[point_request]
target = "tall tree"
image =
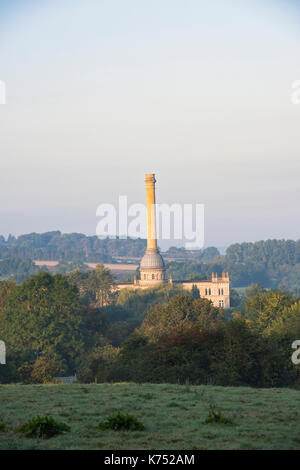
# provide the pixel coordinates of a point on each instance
(43, 316)
(182, 311)
(97, 287)
(265, 310)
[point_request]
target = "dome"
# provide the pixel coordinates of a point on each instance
(152, 260)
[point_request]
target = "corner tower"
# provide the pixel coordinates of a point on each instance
(152, 266)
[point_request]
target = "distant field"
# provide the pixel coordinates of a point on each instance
(116, 267)
(49, 264)
(112, 267)
(173, 415)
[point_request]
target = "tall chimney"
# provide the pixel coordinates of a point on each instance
(151, 222)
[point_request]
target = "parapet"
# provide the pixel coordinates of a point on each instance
(223, 278)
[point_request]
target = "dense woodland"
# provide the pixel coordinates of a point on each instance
(55, 246)
(55, 325)
(76, 321)
(271, 263)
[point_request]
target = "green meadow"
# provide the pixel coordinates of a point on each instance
(174, 416)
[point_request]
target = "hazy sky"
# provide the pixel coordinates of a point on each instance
(100, 92)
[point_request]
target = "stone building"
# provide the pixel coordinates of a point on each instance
(152, 266)
(217, 289)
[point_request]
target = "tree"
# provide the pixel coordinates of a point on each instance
(6, 288)
(43, 316)
(95, 326)
(96, 365)
(235, 360)
(101, 286)
(181, 311)
(195, 292)
(265, 310)
(17, 268)
(97, 286)
(118, 332)
(42, 371)
(289, 320)
(236, 300)
(64, 267)
(132, 304)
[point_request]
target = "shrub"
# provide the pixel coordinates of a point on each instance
(173, 404)
(215, 415)
(43, 427)
(44, 369)
(24, 373)
(119, 422)
(147, 396)
(2, 427)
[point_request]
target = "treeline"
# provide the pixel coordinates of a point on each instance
(17, 269)
(56, 246)
(56, 325)
(50, 323)
(181, 254)
(271, 263)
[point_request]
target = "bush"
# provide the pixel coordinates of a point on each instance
(43, 427)
(2, 427)
(41, 371)
(119, 422)
(215, 415)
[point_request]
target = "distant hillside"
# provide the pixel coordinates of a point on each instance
(271, 263)
(56, 246)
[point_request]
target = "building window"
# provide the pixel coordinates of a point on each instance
(219, 291)
(221, 303)
(222, 291)
(145, 277)
(153, 276)
(205, 291)
(209, 291)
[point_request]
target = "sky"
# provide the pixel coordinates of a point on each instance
(100, 92)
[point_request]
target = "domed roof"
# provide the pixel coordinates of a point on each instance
(152, 260)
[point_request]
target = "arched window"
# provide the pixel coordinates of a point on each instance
(209, 291)
(153, 277)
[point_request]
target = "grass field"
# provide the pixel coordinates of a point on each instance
(174, 416)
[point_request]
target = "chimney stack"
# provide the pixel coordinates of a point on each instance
(151, 216)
